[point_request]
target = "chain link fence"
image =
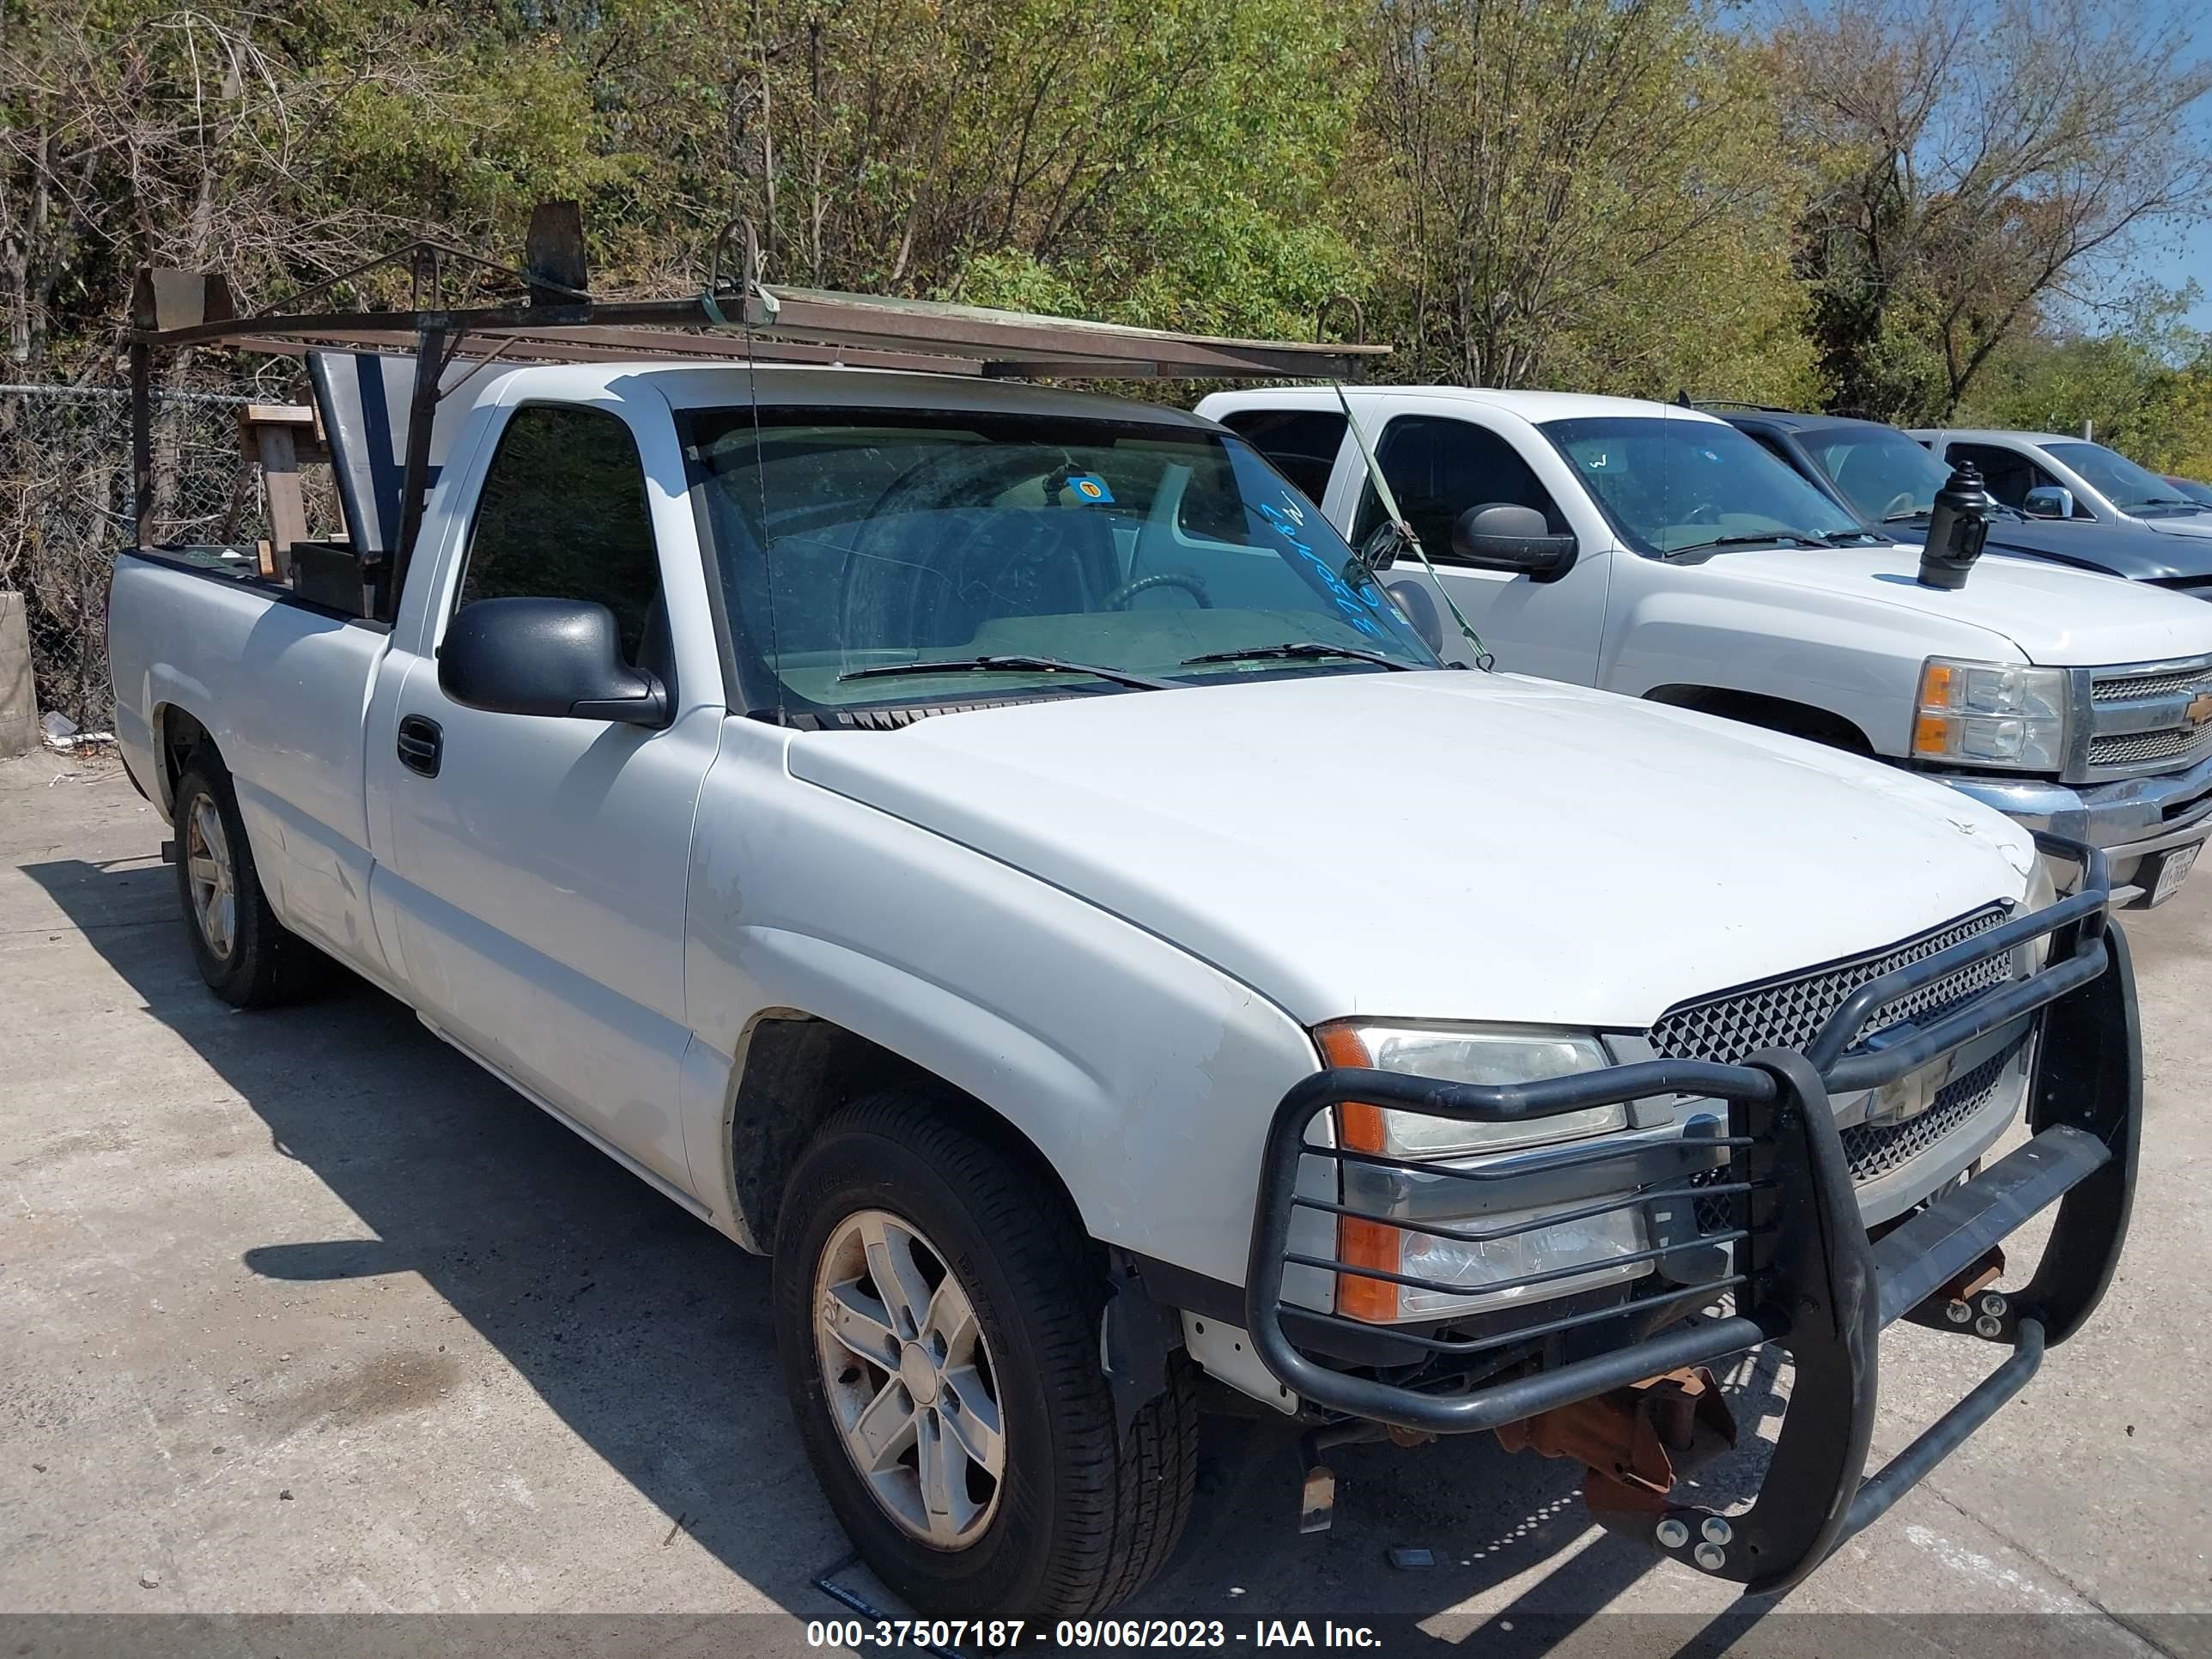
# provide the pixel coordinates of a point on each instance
(65, 507)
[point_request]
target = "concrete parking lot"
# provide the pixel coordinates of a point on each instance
(304, 1315)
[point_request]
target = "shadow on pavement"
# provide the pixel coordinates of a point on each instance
(649, 1334)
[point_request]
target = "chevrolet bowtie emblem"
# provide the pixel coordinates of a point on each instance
(2199, 709)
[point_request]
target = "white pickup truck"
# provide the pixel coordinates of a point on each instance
(1657, 551)
(997, 850)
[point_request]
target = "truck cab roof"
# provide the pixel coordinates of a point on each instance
(1535, 407)
(697, 386)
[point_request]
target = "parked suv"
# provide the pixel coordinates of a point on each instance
(1889, 479)
(2046, 475)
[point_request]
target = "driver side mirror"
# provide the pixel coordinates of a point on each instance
(548, 656)
(1501, 536)
(2048, 502)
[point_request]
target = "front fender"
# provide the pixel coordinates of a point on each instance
(1144, 1076)
(1856, 660)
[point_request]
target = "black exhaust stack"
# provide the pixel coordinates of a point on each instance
(1956, 530)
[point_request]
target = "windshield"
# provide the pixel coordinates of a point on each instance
(851, 540)
(1886, 477)
(2128, 487)
(1671, 486)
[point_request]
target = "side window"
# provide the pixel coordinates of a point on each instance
(1438, 467)
(2007, 476)
(563, 516)
(1301, 444)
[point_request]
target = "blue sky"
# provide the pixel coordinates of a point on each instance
(2192, 258)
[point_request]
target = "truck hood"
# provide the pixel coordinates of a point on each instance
(1445, 845)
(2062, 618)
(2190, 527)
(2131, 548)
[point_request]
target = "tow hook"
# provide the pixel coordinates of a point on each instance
(1634, 1443)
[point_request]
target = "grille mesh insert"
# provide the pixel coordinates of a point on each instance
(2131, 748)
(1788, 1012)
(1876, 1150)
(2140, 687)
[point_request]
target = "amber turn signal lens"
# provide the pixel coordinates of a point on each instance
(1360, 1243)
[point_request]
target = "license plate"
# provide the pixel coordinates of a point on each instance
(2173, 870)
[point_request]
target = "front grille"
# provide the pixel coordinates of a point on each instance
(1714, 1215)
(1788, 1012)
(1875, 1149)
(2117, 697)
(2137, 687)
(2133, 748)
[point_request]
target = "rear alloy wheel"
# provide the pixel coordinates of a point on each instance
(245, 955)
(909, 1379)
(210, 879)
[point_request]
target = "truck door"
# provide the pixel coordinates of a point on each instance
(1440, 465)
(540, 861)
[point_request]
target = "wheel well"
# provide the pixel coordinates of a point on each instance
(180, 736)
(796, 1071)
(1796, 720)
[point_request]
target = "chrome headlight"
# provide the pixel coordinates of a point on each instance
(1468, 1272)
(1996, 714)
(1487, 1054)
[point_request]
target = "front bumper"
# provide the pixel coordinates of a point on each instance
(1798, 1267)
(2131, 820)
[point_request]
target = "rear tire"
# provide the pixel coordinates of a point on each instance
(1078, 1515)
(247, 956)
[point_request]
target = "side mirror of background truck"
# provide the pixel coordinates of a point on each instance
(1502, 537)
(550, 657)
(2048, 502)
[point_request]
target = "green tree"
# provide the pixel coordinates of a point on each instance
(1165, 162)
(1968, 165)
(1585, 191)
(2144, 386)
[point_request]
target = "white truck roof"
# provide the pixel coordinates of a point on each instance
(696, 386)
(1536, 407)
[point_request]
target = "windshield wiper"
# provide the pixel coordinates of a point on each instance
(1296, 648)
(1764, 538)
(1012, 665)
(1920, 515)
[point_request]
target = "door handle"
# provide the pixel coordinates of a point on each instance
(421, 745)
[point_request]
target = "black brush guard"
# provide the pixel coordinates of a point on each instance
(1800, 1269)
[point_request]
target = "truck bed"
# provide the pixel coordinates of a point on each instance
(281, 685)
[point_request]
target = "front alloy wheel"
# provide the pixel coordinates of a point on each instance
(938, 1310)
(911, 1383)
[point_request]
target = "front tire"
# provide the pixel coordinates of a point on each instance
(937, 1314)
(246, 956)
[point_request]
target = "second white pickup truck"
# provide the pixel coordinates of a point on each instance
(956, 835)
(1657, 551)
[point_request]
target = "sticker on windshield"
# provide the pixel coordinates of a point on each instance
(1091, 487)
(1349, 605)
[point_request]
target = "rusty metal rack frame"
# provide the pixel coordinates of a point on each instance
(1795, 1266)
(736, 319)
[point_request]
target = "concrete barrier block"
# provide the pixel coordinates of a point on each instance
(19, 702)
